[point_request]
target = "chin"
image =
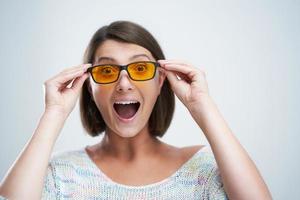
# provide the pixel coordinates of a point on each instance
(127, 133)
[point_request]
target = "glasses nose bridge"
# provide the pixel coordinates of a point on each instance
(123, 67)
(123, 81)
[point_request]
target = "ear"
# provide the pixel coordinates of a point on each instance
(90, 89)
(161, 78)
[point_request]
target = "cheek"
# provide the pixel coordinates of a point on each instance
(149, 88)
(101, 96)
(149, 91)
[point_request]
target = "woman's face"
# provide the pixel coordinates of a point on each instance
(125, 105)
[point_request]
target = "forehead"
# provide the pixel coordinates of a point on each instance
(121, 52)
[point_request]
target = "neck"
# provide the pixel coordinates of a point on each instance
(130, 149)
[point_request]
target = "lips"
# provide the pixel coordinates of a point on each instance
(126, 109)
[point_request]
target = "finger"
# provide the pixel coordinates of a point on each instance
(77, 67)
(184, 77)
(179, 68)
(63, 79)
(71, 83)
(71, 71)
(175, 61)
(162, 70)
(64, 85)
(187, 74)
(171, 60)
(69, 76)
(78, 82)
(180, 62)
(172, 78)
(83, 67)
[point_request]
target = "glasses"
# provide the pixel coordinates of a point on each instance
(137, 71)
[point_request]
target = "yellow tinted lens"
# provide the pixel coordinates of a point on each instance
(141, 71)
(105, 73)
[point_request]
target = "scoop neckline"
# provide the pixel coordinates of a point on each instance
(158, 183)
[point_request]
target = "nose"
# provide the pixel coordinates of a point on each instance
(124, 83)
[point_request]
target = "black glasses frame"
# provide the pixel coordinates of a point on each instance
(124, 67)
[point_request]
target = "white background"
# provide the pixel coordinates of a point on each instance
(250, 51)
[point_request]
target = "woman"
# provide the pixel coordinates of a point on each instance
(127, 92)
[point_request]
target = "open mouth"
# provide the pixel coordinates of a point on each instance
(126, 109)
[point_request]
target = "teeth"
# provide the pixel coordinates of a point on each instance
(125, 102)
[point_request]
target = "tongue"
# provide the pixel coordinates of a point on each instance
(125, 111)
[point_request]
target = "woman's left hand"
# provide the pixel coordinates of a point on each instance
(188, 82)
(191, 88)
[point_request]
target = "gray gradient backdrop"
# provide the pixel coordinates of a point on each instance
(249, 50)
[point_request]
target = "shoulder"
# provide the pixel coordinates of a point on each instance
(71, 166)
(68, 159)
(194, 152)
(67, 155)
(202, 152)
(189, 150)
(204, 169)
(68, 172)
(201, 159)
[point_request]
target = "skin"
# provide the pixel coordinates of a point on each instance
(190, 86)
(25, 178)
(122, 134)
(126, 141)
(242, 180)
(132, 146)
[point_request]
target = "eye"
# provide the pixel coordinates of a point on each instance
(106, 70)
(140, 68)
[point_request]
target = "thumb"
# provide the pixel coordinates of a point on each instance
(78, 82)
(173, 80)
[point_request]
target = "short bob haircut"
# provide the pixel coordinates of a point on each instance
(129, 32)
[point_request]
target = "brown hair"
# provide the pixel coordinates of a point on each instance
(129, 32)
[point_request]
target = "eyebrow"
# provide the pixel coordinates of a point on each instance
(99, 59)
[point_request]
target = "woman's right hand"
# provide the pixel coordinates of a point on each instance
(25, 179)
(59, 98)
